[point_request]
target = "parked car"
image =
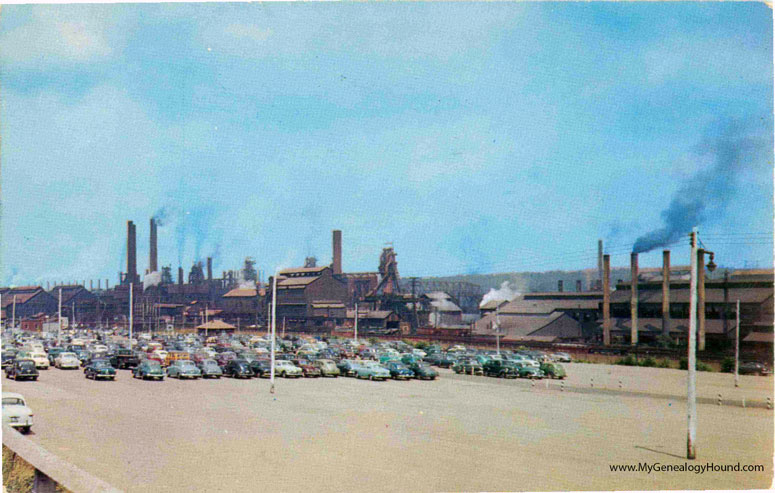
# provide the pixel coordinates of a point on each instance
(237, 368)
(173, 356)
(8, 358)
(562, 357)
(124, 358)
(40, 359)
(753, 368)
(183, 368)
(553, 370)
(423, 371)
(528, 371)
(499, 368)
(224, 357)
(67, 361)
(371, 370)
(52, 353)
(347, 367)
(399, 371)
(261, 368)
(327, 368)
(16, 414)
(287, 369)
(22, 369)
(210, 369)
(100, 368)
(148, 369)
(468, 366)
(307, 368)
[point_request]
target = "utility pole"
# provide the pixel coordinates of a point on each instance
(498, 328)
(414, 305)
(691, 439)
(59, 332)
(13, 313)
(356, 323)
(737, 344)
(131, 313)
(274, 329)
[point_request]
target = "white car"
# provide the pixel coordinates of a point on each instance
(40, 359)
(67, 360)
(286, 369)
(16, 414)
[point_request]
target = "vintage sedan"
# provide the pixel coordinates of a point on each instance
(8, 358)
(100, 368)
(328, 368)
(753, 368)
(468, 366)
(553, 370)
(67, 361)
(210, 369)
(16, 414)
(183, 368)
(148, 369)
(22, 369)
(399, 371)
(528, 371)
(261, 368)
(40, 359)
(238, 368)
(52, 353)
(287, 369)
(307, 368)
(347, 367)
(423, 371)
(371, 370)
(501, 369)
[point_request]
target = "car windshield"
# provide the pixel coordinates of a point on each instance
(101, 363)
(12, 401)
(187, 364)
(153, 364)
(26, 365)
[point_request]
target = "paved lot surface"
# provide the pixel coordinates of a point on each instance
(458, 433)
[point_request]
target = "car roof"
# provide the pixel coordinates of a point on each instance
(13, 394)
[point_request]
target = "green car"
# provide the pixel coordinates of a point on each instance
(100, 368)
(501, 369)
(526, 371)
(553, 370)
(422, 371)
(148, 369)
(468, 367)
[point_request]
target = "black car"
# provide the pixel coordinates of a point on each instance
(238, 368)
(261, 368)
(500, 368)
(53, 352)
(100, 368)
(8, 358)
(22, 369)
(124, 358)
(753, 368)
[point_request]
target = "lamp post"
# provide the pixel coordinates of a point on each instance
(274, 330)
(737, 344)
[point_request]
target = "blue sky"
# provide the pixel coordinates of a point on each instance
(476, 137)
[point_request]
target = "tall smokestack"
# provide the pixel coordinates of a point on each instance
(666, 293)
(578, 285)
(209, 268)
(559, 286)
(607, 300)
(180, 275)
(337, 265)
(634, 299)
(600, 260)
(700, 300)
(131, 252)
(99, 284)
(153, 260)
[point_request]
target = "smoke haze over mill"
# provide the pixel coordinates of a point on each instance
(475, 137)
(725, 154)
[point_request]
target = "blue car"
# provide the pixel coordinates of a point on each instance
(399, 371)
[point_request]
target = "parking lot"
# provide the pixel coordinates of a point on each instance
(455, 433)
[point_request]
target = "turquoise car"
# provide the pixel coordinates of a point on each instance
(148, 369)
(553, 370)
(183, 368)
(371, 372)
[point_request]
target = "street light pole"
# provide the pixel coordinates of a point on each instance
(498, 328)
(737, 344)
(691, 442)
(356, 323)
(59, 319)
(131, 313)
(274, 330)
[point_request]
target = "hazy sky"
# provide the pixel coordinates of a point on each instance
(476, 137)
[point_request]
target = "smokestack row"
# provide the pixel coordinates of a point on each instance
(666, 293)
(634, 299)
(131, 253)
(337, 264)
(153, 260)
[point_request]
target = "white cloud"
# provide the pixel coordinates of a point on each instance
(57, 36)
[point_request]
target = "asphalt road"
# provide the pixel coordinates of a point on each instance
(452, 434)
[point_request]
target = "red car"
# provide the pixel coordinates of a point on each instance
(308, 369)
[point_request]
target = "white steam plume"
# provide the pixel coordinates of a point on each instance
(505, 293)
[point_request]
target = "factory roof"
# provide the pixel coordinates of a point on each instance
(22, 295)
(370, 314)
(713, 294)
(520, 305)
(328, 304)
(767, 337)
(712, 326)
(295, 282)
(303, 270)
(443, 302)
(241, 293)
(216, 325)
(492, 304)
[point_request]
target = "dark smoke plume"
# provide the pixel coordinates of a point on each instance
(730, 150)
(161, 216)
